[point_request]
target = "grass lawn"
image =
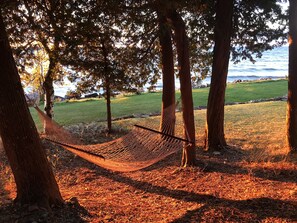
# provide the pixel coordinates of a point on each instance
(258, 128)
(84, 111)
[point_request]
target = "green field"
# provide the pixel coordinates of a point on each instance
(84, 111)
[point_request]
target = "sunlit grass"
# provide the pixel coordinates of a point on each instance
(259, 127)
(67, 113)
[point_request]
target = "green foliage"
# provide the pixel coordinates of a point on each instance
(75, 32)
(258, 26)
(34, 28)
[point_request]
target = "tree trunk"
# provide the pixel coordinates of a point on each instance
(214, 130)
(49, 90)
(182, 45)
(292, 80)
(34, 178)
(108, 107)
(107, 85)
(168, 94)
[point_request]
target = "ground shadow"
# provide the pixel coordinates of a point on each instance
(252, 210)
(282, 175)
(71, 211)
(4, 177)
(260, 208)
(229, 161)
(205, 161)
(234, 210)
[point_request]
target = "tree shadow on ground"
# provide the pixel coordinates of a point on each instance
(220, 208)
(259, 208)
(207, 162)
(4, 177)
(281, 175)
(251, 210)
(71, 211)
(230, 162)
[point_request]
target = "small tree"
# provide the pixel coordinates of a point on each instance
(101, 52)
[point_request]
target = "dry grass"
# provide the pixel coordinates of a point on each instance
(250, 182)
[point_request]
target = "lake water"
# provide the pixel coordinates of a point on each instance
(273, 64)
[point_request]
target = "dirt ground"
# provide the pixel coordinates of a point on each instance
(223, 187)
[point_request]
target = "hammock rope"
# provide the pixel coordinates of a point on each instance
(138, 149)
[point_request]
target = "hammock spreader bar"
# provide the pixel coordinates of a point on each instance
(75, 148)
(164, 134)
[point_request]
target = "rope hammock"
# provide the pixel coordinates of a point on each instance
(138, 149)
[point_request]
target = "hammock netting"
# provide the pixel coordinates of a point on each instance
(136, 150)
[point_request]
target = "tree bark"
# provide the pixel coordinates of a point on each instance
(108, 107)
(214, 130)
(48, 88)
(107, 86)
(292, 80)
(33, 175)
(168, 95)
(182, 45)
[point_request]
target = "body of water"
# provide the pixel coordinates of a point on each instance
(273, 64)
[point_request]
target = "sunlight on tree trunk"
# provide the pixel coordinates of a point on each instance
(168, 94)
(214, 130)
(182, 45)
(33, 175)
(49, 91)
(292, 80)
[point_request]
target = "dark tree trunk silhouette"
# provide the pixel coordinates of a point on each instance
(49, 90)
(214, 132)
(292, 80)
(182, 45)
(107, 86)
(33, 175)
(168, 94)
(108, 107)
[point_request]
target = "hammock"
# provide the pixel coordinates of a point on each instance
(138, 149)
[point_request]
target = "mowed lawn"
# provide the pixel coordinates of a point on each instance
(84, 111)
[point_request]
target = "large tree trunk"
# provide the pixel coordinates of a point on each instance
(49, 90)
(214, 130)
(34, 178)
(292, 80)
(182, 45)
(168, 94)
